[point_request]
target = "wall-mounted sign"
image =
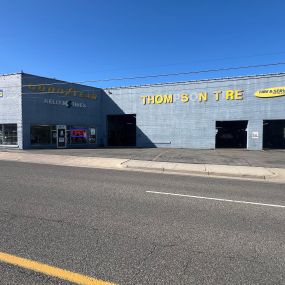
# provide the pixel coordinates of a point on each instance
(228, 95)
(270, 92)
(62, 91)
(255, 135)
(1, 93)
(65, 103)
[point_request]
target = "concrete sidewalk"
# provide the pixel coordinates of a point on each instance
(241, 157)
(233, 171)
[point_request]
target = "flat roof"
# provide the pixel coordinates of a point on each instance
(50, 78)
(197, 81)
(8, 74)
(243, 77)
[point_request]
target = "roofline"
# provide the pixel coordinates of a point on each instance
(14, 73)
(51, 78)
(61, 81)
(198, 81)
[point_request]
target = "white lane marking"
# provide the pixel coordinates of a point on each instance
(217, 199)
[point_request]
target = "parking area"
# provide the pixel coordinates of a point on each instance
(268, 158)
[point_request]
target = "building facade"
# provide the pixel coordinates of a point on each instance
(244, 112)
(241, 112)
(35, 111)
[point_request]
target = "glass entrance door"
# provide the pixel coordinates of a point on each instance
(61, 136)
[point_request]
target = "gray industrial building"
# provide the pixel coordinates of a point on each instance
(240, 112)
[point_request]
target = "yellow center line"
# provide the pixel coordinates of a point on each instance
(51, 270)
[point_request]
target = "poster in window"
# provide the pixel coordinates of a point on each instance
(92, 135)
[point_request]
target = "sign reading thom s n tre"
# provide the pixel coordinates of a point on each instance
(228, 95)
(232, 95)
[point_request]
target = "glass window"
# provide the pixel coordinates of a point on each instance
(75, 135)
(8, 134)
(43, 134)
(53, 136)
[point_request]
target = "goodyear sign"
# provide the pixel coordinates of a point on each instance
(270, 92)
(62, 91)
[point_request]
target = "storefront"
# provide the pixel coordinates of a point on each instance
(63, 135)
(39, 112)
(241, 112)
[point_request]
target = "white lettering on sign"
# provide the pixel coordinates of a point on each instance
(66, 103)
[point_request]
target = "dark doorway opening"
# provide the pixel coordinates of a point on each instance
(274, 134)
(121, 130)
(231, 134)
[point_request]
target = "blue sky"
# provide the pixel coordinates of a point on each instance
(79, 40)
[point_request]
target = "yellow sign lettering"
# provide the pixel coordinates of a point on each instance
(239, 95)
(61, 91)
(93, 96)
(150, 99)
(217, 95)
(184, 98)
(42, 88)
(230, 95)
(32, 87)
(270, 92)
(168, 98)
(203, 96)
(159, 99)
(144, 99)
(51, 90)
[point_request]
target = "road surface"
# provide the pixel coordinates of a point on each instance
(140, 228)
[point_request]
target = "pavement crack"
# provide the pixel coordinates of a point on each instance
(186, 266)
(15, 216)
(59, 221)
(143, 261)
(77, 225)
(159, 155)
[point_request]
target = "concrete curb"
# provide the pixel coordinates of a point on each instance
(210, 170)
(63, 160)
(203, 169)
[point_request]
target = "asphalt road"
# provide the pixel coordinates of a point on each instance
(104, 224)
